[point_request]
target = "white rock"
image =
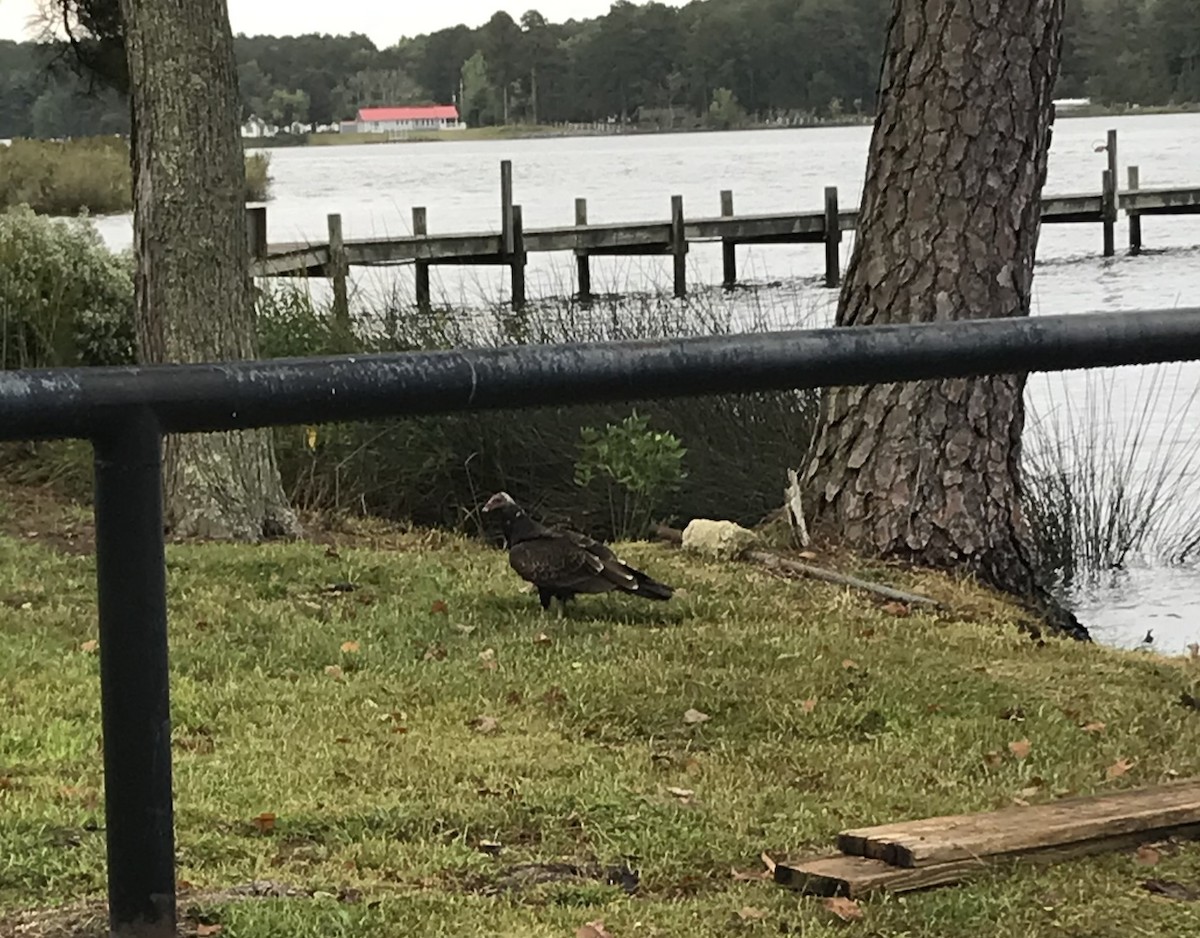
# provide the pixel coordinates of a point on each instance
(723, 540)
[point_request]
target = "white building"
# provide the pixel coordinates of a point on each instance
(382, 120)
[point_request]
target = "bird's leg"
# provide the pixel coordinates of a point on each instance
(544, 597)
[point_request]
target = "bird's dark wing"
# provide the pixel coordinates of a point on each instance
(597, 561)
(555, 563)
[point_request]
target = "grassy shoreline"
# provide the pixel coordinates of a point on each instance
(355, 719)
(88, 175)
(537, 132)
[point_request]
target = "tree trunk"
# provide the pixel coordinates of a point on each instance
(948, 228)
(193, 288)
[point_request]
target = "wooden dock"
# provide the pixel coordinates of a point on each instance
(512, 245)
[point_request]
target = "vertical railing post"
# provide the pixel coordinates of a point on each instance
(679, 246)
(134, 690)
(517, 259)
(583, 266)
(728, 245)
(506, 208)
(833, 238)
(339, 272)
(420, 226)
(1135, 218)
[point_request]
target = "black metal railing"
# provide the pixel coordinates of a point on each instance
(124, 412)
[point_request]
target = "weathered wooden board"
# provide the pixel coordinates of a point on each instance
(852, 876)
(1021, 829)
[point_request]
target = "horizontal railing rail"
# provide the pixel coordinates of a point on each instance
(83, 402)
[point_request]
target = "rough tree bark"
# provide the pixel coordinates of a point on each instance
(193, 288)
(930, 471)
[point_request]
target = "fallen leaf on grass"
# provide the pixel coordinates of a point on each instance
(1146, 856)
(265, 822)
(896, 609)
(207, 931)
(808, 705)
(681, 793)
(485, 724)
(594, 929)
(334, 671)
(692, 715)
(349, 647)
(1020, 748)
(439, 607)
(1172, 890)
(542, 639)
(849, 664)
(490, 847)
(89, 646)
(749, 875)
(993, 759)
(1096, 727)
(748, 913)
(435, 652)
(846, 909)
(1119, 768)
(487, 659)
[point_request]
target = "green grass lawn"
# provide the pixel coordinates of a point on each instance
(425, 738)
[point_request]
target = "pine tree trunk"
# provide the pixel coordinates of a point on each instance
(193, 288)
(948, 228)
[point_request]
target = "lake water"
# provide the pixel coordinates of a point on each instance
(633, 178)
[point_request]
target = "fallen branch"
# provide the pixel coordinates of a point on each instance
(775, 562)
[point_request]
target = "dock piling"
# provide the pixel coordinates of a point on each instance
(728, 245)
(1109, 191)
(420, 226)
(507, 244)
(256, 232)
(517, 259)
(583, 265)
(833, 238)
(339, 271)
(679, 246)
(1135, 218)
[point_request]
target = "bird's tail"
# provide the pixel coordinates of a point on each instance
(649, 587)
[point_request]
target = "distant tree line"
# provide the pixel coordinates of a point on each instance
(717, 62)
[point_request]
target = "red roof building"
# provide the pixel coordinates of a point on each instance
(390, 119)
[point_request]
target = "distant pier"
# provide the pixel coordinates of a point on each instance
(513, 244)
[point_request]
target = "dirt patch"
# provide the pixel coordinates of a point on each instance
(44, 516)
(89, 919)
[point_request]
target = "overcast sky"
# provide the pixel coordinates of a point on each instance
(384, 22)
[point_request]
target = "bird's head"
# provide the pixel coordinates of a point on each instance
(499, 501)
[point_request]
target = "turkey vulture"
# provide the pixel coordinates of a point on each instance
(561, 563)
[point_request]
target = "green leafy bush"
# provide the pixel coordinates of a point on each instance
(636, 467)
(65, 298)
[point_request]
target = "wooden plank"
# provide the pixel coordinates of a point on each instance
(1018, 829)
(840, 875)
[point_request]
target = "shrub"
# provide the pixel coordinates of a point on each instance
(65, 298)
(636, 468)
(89, 174)
(1102, 487)
(436, 471)
(258, 176)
